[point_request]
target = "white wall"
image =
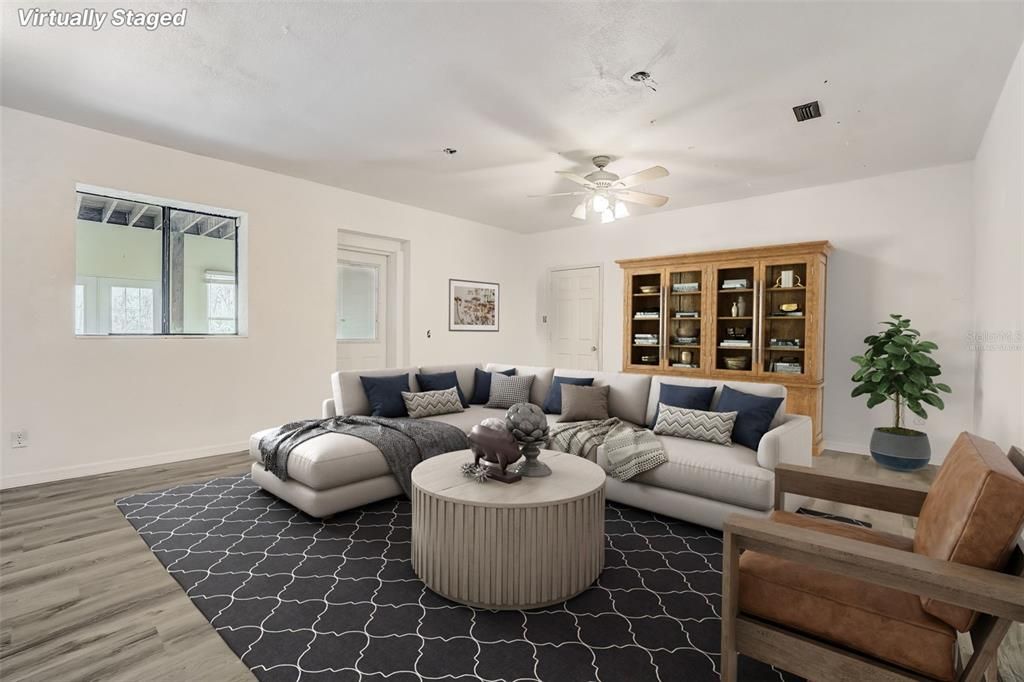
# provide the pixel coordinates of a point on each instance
(999, 268)
(94, 405)
(902, 245)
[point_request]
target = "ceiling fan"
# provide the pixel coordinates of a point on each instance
(607, 194)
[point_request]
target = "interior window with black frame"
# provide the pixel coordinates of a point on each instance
(151, 269)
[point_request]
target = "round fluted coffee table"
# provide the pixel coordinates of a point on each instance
(496, 545)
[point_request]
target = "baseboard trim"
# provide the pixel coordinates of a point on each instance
(113, 465)
(856, 448)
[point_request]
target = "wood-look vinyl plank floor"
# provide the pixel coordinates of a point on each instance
(83, 598)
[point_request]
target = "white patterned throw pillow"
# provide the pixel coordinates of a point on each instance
(713, 427)
(507, 391)
(431, 403)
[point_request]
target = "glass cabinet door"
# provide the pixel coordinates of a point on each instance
(783, 318)
(735, 323)
(684, 311)
(644, 304)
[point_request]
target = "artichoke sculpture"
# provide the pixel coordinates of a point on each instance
(529, 426)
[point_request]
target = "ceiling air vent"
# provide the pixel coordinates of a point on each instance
(807, 111)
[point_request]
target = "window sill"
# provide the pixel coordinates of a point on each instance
(161, 336)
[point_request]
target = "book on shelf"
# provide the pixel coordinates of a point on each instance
(734, 344)
(686, 340)
(787, 367)
(735, 284)
(686, 286)
(686, 313)
(688, 365)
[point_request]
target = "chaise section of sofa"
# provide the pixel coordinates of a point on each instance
(701, 482)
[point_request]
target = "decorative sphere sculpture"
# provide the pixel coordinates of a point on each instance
(529, 426)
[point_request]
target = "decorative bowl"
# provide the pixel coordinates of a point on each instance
(739, 362)
(648, 290)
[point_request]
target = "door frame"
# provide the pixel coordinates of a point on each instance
(395, 309)
(600, 307)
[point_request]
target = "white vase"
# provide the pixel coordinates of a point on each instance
(741, 305)
(735, 310)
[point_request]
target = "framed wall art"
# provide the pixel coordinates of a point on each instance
(472, 306)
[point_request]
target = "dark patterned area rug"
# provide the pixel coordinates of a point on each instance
(298, 598)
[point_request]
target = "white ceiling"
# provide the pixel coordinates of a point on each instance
(365, 95)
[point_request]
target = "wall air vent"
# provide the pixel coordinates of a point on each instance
(807, 111)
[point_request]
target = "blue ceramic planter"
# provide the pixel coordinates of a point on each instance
(904, 451)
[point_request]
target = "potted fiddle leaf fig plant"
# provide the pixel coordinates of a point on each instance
(897, 367)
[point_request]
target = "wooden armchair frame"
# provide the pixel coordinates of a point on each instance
(998, 596)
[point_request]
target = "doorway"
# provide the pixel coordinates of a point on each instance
(574, 336)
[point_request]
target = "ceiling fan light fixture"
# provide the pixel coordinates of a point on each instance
(580, 213)
(599, 203)
(620, 210)
(607, 216)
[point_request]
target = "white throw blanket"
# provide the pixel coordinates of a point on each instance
(629, 450)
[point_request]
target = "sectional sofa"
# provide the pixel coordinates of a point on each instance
(701, 482)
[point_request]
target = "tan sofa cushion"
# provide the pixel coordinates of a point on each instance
(541, 383)
(878, 621)
(717, 472)
(627, 398)
(347, 389)
(972, 515)
(329, 460)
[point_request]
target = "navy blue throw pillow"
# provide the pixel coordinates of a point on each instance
(482, 385)
(440, 382)
(688, 397)
(754, 415)
(553, 401)
(385, 395)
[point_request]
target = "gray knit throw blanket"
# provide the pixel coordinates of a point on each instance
(403, 442)
(629, 450)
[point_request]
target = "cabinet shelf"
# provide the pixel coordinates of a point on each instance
(738, 317)
(785, 349)
(771, 289)
(684, 345)
(735, 291)
(654, 294)
(786, 317)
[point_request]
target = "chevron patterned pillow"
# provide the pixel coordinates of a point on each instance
(431, 403)
(508, 391)
(713, 427)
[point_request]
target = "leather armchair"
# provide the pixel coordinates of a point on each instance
(832, 601)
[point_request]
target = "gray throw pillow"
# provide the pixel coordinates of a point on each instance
(584, 403)
(507, 391)
(430, 403)
(681, 422)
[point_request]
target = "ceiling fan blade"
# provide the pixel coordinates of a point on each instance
(641, 197)
(652, 173)
(578, 179)
(557, 194)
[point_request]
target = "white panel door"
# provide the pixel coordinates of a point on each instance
(361, 317)
(575, 318)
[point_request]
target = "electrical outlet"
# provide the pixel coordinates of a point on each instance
(19, 439)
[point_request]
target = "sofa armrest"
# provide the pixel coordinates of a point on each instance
(788, 443)
(328, 410)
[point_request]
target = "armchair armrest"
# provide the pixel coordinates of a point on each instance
(992, 592)
(328, 410)
(901, 498)
(788, 443)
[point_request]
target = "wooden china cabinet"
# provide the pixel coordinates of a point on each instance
(755, 314)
